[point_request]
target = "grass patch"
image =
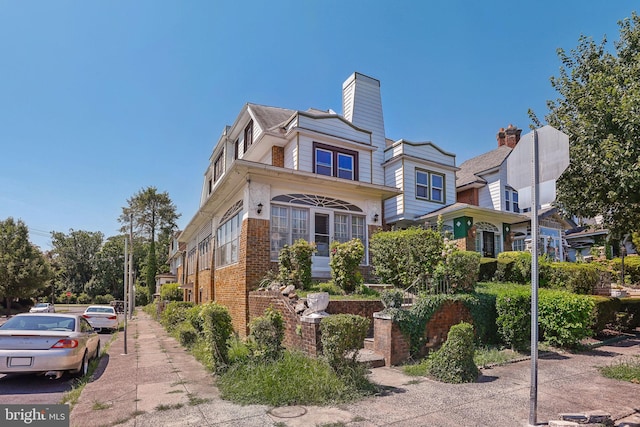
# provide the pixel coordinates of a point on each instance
(163, 407)
(97, 406)
(175, 391)
(195, 400)
(627, 369)
(295, 379)
(490, 356)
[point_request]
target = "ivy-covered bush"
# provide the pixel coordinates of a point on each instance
(564, 317)
(174, 313)
(579, 278)
(399, 257)
(217, 330)
(295, 264)
(195, 320)
(488, 268)
(392, 298)
(342, 336)
(171, 292)
(514, 318)
(266, 335)
(344, 262)
(453, 362)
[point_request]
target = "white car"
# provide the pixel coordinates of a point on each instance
(49, 344)
(43, 307)
(101, 317)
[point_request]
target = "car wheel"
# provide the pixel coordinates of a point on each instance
(84, 367)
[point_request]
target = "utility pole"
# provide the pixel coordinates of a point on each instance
(126, 284)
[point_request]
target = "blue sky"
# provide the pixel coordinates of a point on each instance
(101, 99)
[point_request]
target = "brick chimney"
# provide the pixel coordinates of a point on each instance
(509, 136)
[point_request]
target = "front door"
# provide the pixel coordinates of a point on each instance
(488, 249)
(322, 238)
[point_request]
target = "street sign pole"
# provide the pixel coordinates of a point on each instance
(533, 394)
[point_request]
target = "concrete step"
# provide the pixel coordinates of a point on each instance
(370, 358)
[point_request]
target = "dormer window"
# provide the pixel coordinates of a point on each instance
(333, 161)
(511, 201)
(248, 136)
(430, 186)
(218, 167)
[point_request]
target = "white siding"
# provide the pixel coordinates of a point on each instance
(291, 154)
(335, 127)
(426, 151)
(306, 156)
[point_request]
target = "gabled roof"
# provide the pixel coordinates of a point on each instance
(470, 171)
(269, 117)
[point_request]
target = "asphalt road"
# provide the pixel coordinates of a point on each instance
(26, 389)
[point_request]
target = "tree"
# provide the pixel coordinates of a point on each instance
(153, 213)
(23, 268)
(599, 108)
(74, 256)
(109, 275)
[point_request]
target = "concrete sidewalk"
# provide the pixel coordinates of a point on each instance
(159, 384)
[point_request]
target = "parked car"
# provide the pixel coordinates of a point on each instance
(47, 343)
(43, 307)
(101, 317)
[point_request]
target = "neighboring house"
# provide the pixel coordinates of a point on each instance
(487, 217)
(162, 279)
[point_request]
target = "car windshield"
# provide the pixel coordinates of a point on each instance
(100, 310)
(39, 323)
(42, 304)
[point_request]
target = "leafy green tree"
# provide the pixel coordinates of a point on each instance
(109, 272)
(23, 268)
(74, 255)
(153, 214)
(599, 99)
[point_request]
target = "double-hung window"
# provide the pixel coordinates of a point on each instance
(288, 224)
(218, 167)
(248, 136)
(347, 227)
(430, 186)
(227, 241)
(511, 201)
(333, 161)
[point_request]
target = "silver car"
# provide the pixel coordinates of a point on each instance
(43, 307)
(47, 343)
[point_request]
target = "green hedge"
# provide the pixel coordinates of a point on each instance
(463, 268)
(514, 317)
(342, 336)
(564, 317)
(488, 267)
(453, 362)
(631, 268)
(579, 278)
(174, 313)
(514, 266)
(616, 314)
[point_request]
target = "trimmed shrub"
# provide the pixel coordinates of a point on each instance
(342, 336)
(174, 313)
(344, 262)
(514, 318)
(564, 318)
(604, 313)
(487, 269)
(295, 264)
(399, 257)
(514, 266)
(453, 362)
(187, 334)
(463, 268)
(483, 312)
(217, 330)
(267, 333)
(579, 278)
(171, 292)
(631, 268)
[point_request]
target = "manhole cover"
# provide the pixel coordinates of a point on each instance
(288, 411)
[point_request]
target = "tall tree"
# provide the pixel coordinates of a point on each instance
(75, 254)
(599, 108)
(23, 268)
(109, 275)
(152, 213)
